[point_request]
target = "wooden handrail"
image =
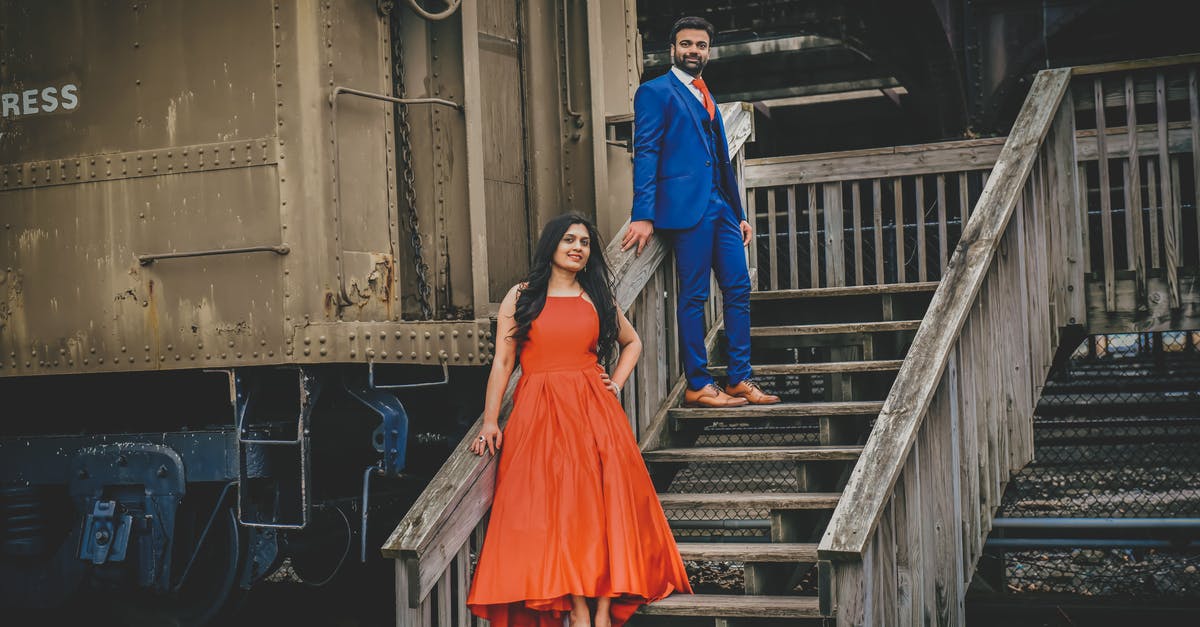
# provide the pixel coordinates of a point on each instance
(447, 512)
(874, 477)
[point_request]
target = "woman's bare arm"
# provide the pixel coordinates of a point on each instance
(503, 364)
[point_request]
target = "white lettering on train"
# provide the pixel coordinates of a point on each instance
(33, 101)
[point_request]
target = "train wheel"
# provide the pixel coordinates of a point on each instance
(209, 591)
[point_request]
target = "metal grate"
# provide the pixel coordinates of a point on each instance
(1117, 435)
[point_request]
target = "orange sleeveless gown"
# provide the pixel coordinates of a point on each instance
(575, 511)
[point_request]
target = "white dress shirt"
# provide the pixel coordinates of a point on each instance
(687, 79)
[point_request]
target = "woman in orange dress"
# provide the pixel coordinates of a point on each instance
(576, 523)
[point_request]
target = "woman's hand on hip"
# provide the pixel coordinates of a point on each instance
(610, 385)
(489, 439)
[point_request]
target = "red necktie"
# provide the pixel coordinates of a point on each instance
(708, 101)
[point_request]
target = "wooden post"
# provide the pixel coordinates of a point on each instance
(835, 242)
(1133, 194)
(1170, 220)
(1106, 234)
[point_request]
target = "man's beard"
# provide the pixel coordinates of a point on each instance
(694, 68)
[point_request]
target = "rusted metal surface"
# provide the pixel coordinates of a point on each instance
(184, 131)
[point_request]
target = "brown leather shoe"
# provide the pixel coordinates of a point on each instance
(750, 391)
(710, 396)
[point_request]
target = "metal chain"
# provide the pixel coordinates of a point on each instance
(403, 135)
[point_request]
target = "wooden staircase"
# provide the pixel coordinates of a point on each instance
(831, 354)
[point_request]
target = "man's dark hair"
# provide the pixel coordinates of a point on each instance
(693, 23)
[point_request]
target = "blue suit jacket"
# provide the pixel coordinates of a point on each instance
(672, 160)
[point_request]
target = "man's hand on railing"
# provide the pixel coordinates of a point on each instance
(489, 439)
(639, 232)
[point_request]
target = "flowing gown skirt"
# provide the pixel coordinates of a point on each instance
(575, 512)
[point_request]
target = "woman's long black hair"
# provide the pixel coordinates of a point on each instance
(594, 278)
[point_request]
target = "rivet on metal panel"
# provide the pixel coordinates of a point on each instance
(397, 335)
(230, 343)
(457, 357)
(412, 335)
(324, 352)
(223, 355)
(307, 340)
(428, 354)
(239, 355)
(370, 352)
(352, 354)
(427, 335)
(177, 358)
(413, 355)
(321, 339)
(99, 360)
(471, 356)
(192, 356)
(123, 349)
(351, 335)
(146, 348)
(270, 353)
(254, 354)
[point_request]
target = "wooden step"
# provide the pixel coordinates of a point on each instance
(751, 500)
(748, 551)
(734, 606)
(840, 328)
(754, 454)
(857, 290)
(833, 367)
(779, 410)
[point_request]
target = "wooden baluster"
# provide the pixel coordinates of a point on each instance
(877, 197)
(1152, 191)
(1170, 217)
(814, 245)
(793, 249)
(462, 584)
(1106, 235)
(752, 218)
(835, 243)
(943, 250)
(898, 200)
(1133, 194)
(964, 201)
(1194, 117)
(773, 267)
(856, 217)
(922, 272)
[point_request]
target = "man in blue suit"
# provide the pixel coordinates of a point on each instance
(684, 187)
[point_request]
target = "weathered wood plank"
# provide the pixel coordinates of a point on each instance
(922, 271)
(835, 328)
(1154, 211)
(856, 218)
(873, 163)
(877, 207)
(748, 551)
(1170, 221)
(772, 241)
(779, 410)
(734, 606)
(1106, 231)
(898, 202)
(749, 500)
(943, 245)
(849, 290)
(964, 202)
(1145, 136)
(814, 267)
(793, 248)
(1138, 64)
(755, 453)
(1194, 118)
(830, 367)
(835, 237)
(898, 423)
(1133, 191)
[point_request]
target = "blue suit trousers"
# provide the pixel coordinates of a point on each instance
(714, 244)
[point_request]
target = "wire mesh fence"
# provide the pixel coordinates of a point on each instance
(1117, 436)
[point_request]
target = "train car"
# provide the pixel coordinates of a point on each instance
(250, 252)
